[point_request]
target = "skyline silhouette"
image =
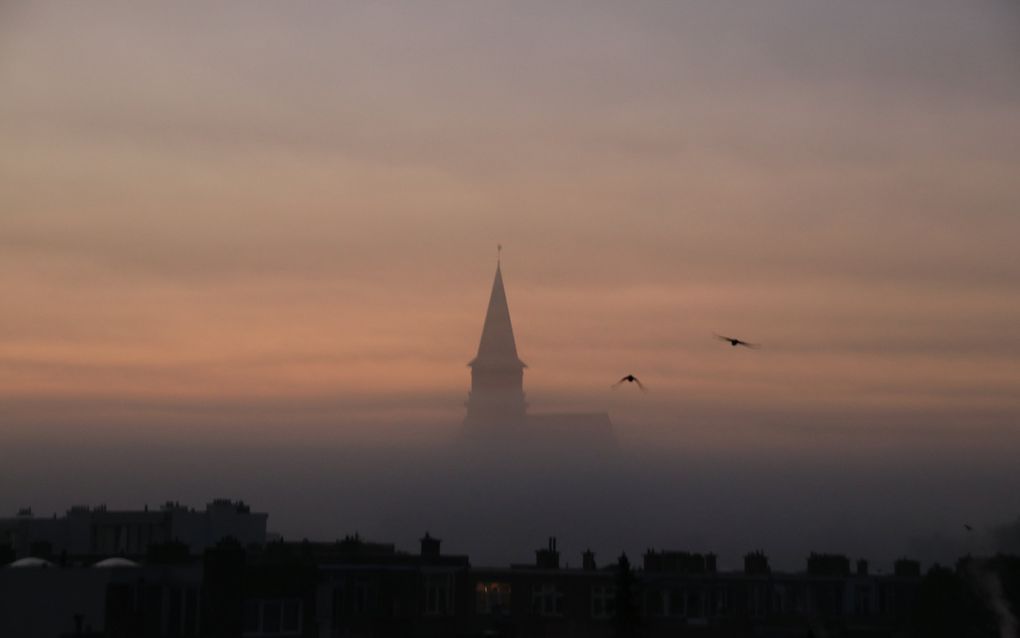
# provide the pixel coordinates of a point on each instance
(245, 250)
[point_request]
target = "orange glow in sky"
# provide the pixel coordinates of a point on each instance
(296, 204)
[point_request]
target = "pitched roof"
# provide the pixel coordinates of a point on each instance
(497, 347)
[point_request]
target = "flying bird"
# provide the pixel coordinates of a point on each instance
(968, 527)
(737, 342)
(630, 378)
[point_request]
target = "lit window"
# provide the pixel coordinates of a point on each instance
(492, 598)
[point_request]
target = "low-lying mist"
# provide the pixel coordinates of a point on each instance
(788, 486)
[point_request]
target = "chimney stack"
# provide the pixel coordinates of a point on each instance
(430, 546)
(548, 558)
(756, 563)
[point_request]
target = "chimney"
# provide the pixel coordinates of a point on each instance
(862, 567)
(906, 568)
(588, 561)
(429, 546)
(548, 558)
(756, 563)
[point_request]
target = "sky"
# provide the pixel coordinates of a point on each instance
(269, 223)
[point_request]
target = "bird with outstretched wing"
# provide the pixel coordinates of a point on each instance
(630, 378)
(737, 342)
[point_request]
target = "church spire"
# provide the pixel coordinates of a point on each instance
(496, 399)
(498, 348)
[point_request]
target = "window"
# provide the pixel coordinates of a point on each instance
(361, 601)
(603, 601)
(492, 598)
(677, 605)
(886, 600)
(438, 601)
(862, 600)
(547, 600)
(694, 607)
(273, 617)
(720, 605)
(291, 619)
(252, 617)
(779, 599)
(655, 602)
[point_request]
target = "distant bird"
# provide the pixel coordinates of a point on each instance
(630, 378)
(968, 527)
(736, 342)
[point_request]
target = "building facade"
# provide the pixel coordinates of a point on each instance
(352, 587)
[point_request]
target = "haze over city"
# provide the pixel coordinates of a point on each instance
(246, 251)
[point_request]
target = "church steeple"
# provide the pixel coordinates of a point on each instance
(497, 373)
(497, 349)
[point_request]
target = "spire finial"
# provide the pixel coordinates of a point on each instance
(499, 254)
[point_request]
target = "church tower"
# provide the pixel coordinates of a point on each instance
(496, 400)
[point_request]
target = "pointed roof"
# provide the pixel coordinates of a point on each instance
(498, 347)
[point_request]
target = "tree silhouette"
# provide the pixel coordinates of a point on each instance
(949, 607)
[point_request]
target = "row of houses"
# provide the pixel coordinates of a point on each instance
(98, 531)
(353, 587)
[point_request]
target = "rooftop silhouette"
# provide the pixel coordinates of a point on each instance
(225, 587)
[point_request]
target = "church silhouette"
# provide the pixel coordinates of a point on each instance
(496, 408)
